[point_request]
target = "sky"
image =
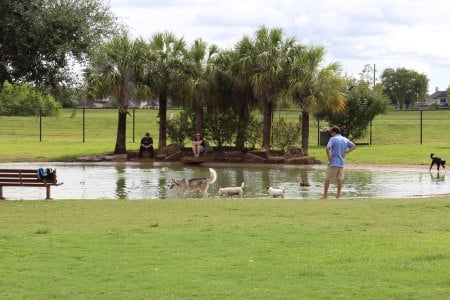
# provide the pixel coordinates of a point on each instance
(412, 34)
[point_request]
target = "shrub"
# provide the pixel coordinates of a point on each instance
(179, 129)
(220, 128)
(253, 133)
(25, 100)
(285, 134)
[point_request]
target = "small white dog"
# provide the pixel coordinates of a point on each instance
(232, 191)
(275, 192)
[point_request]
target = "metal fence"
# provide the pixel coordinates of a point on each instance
(100, 125)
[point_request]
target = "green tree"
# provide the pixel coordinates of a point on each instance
(198, 85)
(164, 74)
(266, 65)
(39, 38)
(313, 86)
(234, 80)
(26, 100)
(113, 71)
(363, 104)
(404, 87)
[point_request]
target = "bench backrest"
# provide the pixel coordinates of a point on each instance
(24, 176)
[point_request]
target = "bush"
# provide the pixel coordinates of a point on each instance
(220, 128)
(285, 134)
(362, 106)
(179, 129)
(25, 100)
(253, 133)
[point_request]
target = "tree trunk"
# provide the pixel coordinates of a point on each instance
(305, 132)
(244, 116)
(198, 119)
(121, 147)
(267, 124)
(162, 120)
(198, 111)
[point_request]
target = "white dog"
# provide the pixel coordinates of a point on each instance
(275, 192)
(195, 184)
(232, 191)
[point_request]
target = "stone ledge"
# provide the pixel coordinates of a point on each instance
(174, 153)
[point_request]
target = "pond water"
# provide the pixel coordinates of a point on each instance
(134, 181)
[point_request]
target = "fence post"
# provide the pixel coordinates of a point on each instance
(84, 124)
(133, 124)
(370, 133)
(318, 131)
(421, 123)
(40, 124)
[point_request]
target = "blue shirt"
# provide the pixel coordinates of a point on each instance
(338, 145)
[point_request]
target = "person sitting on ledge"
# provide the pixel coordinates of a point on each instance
(198, 145)
(146, 145)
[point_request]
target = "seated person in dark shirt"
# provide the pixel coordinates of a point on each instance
(146, 145)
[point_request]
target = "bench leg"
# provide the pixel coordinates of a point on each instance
(1, 193)
(48, 192)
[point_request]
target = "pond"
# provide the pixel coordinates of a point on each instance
(135, 181)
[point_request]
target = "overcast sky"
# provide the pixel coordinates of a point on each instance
(414, 34)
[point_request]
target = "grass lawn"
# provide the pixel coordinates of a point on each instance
(222, 249)
(225, 249)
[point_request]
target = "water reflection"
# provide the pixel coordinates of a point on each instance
(149, 181)
(120, 183)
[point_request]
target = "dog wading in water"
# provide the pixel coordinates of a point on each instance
(194, 184)
(439, 162)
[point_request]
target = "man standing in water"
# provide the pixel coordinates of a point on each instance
(337, 147)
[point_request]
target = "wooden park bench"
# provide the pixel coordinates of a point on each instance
(25, 177)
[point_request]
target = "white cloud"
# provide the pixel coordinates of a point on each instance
(401, 33)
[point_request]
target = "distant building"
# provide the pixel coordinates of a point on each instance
(437, 99)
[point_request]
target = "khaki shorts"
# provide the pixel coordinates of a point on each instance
(334, 173)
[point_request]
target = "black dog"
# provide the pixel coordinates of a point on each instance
(438, 161)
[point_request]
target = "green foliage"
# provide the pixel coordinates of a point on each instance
(253, 133)
(179, 128)
(285, 134)
(25, 100)
(39, 38)
(220, 128)
(67, 96)
(363, 105)
(404, 87)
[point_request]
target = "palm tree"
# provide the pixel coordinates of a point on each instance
(198, 85)
(266, 67)
(311, 85)
(112, 72)
(163, 73)
(235, 86)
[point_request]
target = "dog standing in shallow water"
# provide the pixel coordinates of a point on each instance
(275, 192)
(195, 184)
(439, 162)
(232, 191)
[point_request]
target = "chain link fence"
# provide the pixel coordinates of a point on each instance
(100, 125)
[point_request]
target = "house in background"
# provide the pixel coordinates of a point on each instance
(438, 99)
(108, 103)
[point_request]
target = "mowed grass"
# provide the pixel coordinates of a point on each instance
(225, 249)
